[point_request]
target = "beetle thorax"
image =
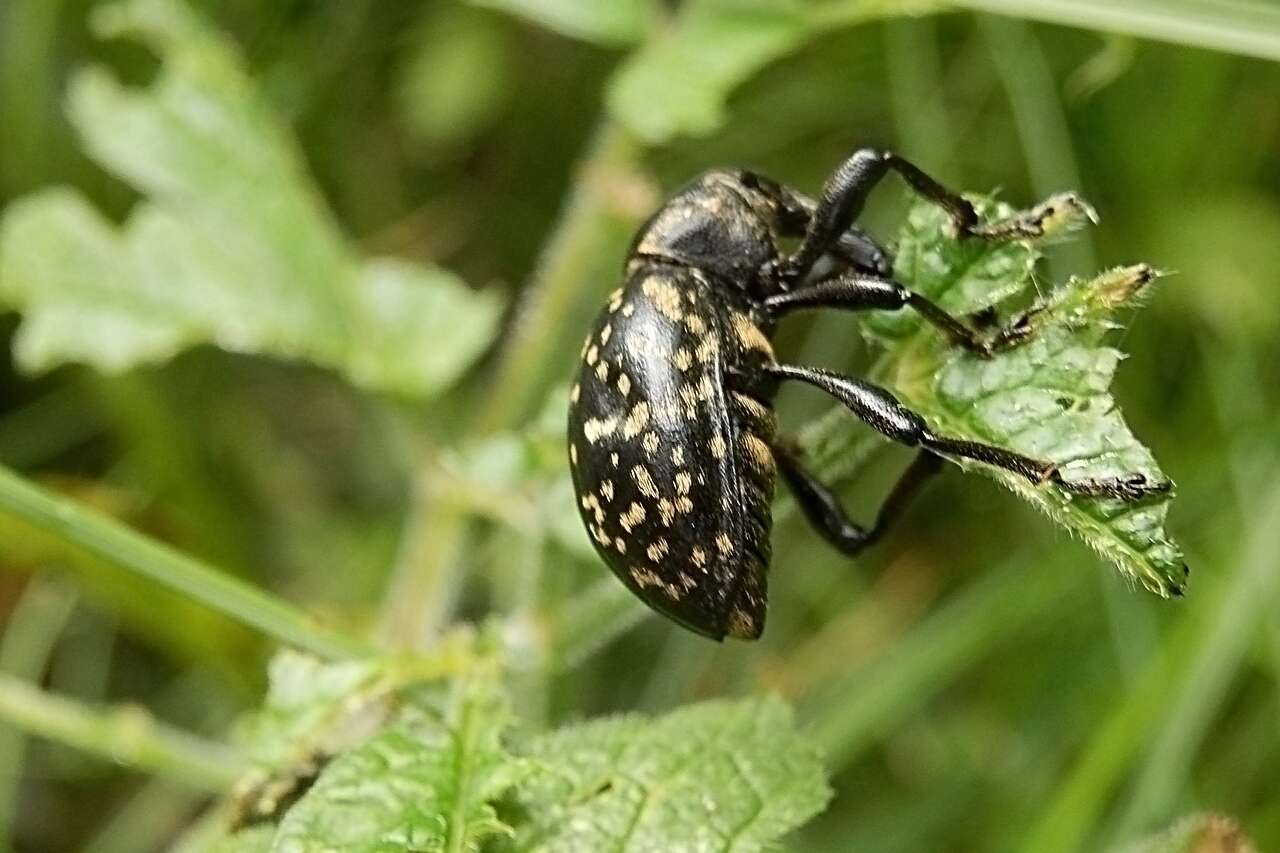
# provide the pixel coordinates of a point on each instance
(716, 225)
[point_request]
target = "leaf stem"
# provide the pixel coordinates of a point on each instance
(594, 216)
(124, 735)
(34, 625)
(43, 512)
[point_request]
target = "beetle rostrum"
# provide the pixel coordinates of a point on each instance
(672, 439)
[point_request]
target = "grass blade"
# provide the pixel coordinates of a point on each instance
(1250, 29)
(82, 528)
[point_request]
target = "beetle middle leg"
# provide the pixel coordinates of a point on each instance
(883, 412)
(861, 292)
(823, 510)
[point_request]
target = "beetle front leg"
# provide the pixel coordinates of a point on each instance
(883, 412)
(823, 510)
(859, 292)
(853, 246)
(845, 194)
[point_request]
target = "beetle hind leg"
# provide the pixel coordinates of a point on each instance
(823, 510)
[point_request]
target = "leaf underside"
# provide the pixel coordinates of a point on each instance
(1046, 397)
(231, 246)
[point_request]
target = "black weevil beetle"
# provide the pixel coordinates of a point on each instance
(671, 430)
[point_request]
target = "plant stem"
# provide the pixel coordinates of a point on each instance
(124, 735)
(424, 578)
(548, 315)
(34, 625)
(69, 522)
(596, 216)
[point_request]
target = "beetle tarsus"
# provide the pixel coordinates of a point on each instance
(1129, 488)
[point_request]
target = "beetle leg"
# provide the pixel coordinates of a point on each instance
(823, 510)
(844, 195)
(882, 411)
(859, 292)
(853, 246)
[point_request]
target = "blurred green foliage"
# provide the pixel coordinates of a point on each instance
(978, 682)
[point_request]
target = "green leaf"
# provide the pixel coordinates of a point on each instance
(716, 776)
(425, 783)
(679, 82)
(615, 23)
(1046, 397)
(307, 707)
(457, 75)
(232, 245)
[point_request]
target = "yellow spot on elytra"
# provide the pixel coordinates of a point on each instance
(757, 451)
(592, 503)
(718, 447)
(741, 624)
(677, 454)
(645, 578)
(633, 517)
(684, 506)
(628, 309)
(606, 489)
(707, 349)
(689, 396)
(593, 353)
(613, 459)
(595, 429)
(665, 296)
(751, 406)
(749, 335)
(619, 545)
(644, 481)
(724, 545)
(657, 550)
(624, 384)
(706, 388)
(637, 420)
(575, 392)
(650, 442)
(683, 482)
(605, 333)
(699, 557)
(573, 454)
(667, 510)
(683, 360)
(602, 371)
(695, 324)
(615, 300)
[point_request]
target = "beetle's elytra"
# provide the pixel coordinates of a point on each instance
(672, 438)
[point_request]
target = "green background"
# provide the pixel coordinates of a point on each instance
(978, 681)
